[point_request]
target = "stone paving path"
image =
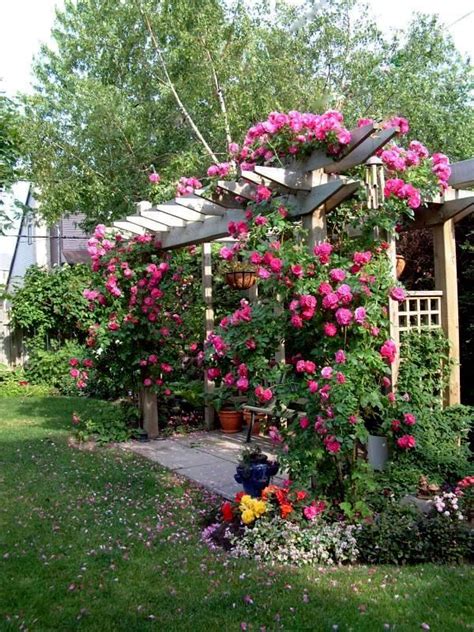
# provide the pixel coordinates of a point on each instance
(209, 458)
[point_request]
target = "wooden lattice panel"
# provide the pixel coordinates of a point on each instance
(420, 310)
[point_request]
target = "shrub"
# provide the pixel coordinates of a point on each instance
(401, 535)
(279, 541)
(13, 383)
(107, 423)
(51, 367)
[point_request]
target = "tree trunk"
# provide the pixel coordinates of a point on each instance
(150, 412)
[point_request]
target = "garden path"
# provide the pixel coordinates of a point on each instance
(208, 458)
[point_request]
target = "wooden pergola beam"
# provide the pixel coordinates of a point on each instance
(147, 223)
(319, 158)
(200, 205)
(362, 152)
(462, 174)
(199, 232)
(455, 208)
(241, 188)
(292, 177)
(128, 227)
(159, 215)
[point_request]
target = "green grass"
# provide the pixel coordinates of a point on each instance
(106, 541)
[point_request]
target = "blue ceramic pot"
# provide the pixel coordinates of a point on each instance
(255, 477)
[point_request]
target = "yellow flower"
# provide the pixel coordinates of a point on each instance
(246, 502)
(259, 507)
(248, 516)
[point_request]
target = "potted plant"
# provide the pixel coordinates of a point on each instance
(377, 441)
(254, 470)
(239, 274)
(228, 409)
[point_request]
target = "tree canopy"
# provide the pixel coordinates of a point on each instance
(169, 83)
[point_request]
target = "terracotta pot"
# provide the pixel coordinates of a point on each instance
(400, 266)
(241, 279)
(259, 418)
(231, 420)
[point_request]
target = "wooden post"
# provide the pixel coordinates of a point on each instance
(393, 310)
(444, 242)
(209, 323)
(150, 412)
(315, 224)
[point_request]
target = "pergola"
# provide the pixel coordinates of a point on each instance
(312, 188)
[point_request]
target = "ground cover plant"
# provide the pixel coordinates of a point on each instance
(104, 540)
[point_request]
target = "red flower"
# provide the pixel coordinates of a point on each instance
(301, 495)
(227, 512)
(285, 509)
(238, 496)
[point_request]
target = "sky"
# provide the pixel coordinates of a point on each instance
(25, 24)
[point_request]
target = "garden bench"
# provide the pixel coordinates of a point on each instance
(296, 409)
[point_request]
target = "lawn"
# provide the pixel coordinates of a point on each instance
(107, 541)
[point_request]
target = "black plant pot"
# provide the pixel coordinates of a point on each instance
(255, 477)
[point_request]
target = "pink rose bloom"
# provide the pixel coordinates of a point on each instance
(228, 379)
(73, 362)
(312, 511)
(147, 382)
(364, 121)
(362, 258)
(400, 123)
(166, 368)
(99, 231)
(276, 265)
(242, 384)
(296, 321)
(340, 377)
(297, 270)
(308, 301)
(226, 253)
(386, 382)
(330, 329)
(344, 293)
(398, 294)
(406, 442)
(213, 171)
(391, 398)
(74, 373)
(326, 372)
(395, 425)
(251, 344)
(152, 359)
(352, 420)
(313, 386)
(213, 373)
(233, 148)
(330, 301)
(374, 331)
(344, 316)
(337, 274)
(263, 194)
(340, 357)
(260, 220)
(263, 394)
(324, 288)
(332, 444)
(88, 363)
(255, 258)
(275, 435)
(300, 366)
(388, 351)
(360, 315)
(409, 419)
(419, 149)
(304, 422)
(323, 252)
(154, 178)
(310, 367)
(263, 273)
(113, 325)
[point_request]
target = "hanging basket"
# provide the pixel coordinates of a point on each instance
(400, 265)
(241, 279)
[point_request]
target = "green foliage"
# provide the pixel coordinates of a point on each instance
(105, 110)
(50, 304)
(401, 535)
(441, 433)
(11, 151)
(51, 367)
(107, 423)
(13, 382)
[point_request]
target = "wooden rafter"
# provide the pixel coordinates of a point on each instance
(462, 174)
